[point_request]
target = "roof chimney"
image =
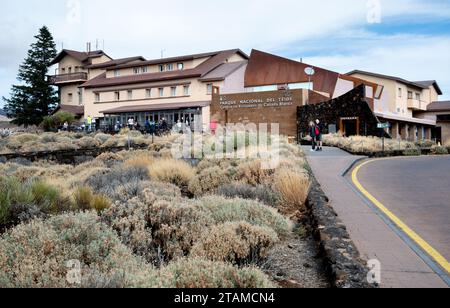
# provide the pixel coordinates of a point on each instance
(88, 47)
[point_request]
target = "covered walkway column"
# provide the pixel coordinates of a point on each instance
(405, 132)
(421, 133)
(412, 133)
(395, 134)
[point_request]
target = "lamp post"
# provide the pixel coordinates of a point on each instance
(310, 72)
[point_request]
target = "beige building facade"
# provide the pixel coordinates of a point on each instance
(176, 89)
(402, 103)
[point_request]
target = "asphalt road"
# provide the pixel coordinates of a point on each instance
(416, 190)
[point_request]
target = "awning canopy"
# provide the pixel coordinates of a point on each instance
(156, 107)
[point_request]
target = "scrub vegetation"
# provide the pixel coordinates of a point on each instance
(145, 219)
(360, 144)
(33, 142)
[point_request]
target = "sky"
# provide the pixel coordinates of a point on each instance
(404, 38)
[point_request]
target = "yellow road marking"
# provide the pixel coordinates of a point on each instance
(413, 235)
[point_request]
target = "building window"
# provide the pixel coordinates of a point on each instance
(410, 95)
(209, 88)
(186, 90)
(97, 97)
(170, 67)
(161, 92)
(117, 96)
(161, 68)
(130, 95)
(80, 97)
(180, 66)
(70, 70)
(70, 97)
(400, 92)
(173, 91)
(418, 96)
(144, 69)
(63, 70)
(148, 93)
(117, 73)
(136, 70)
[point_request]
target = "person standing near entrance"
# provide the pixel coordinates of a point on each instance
(312, 134)
(89, 123)
(319, 133)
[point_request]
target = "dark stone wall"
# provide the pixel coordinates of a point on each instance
(352, 104)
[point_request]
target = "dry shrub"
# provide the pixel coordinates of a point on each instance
(129, 220)
(224, 210)
(237, 242)
(172, 171)
(366, 144)
(156, 229)
(109, 181)
(260, 193)
(140, 160)
(208, 180)
(164, 191)
(85, 199)
(198, 273)
(293, 187)
(35, 255)
(112, 143)
(252, 173)
(88, 143)
(110, 159)
(102, 138)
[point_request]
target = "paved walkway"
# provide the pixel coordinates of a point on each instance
(401, 266)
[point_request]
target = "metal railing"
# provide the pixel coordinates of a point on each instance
(68, 77)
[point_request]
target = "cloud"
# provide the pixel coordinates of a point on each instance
(301, 28)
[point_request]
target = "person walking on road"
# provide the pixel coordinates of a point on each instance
(319, 133)
(312, 134)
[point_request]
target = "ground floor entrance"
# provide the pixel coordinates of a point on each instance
(191, 118)
(349, 126)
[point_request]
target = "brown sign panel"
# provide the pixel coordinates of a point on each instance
(259, 107)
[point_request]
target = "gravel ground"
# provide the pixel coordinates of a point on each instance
(293, 263)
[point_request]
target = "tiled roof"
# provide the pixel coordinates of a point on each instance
(439, 106)
(183, 58)
(200, 71)
(416, 84)
(429, 83)
(115, 63)
(223, 71)
(80, 56)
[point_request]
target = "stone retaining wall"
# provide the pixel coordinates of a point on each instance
(341, 257)
(66, 156)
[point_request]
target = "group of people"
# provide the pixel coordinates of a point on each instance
(316, 133)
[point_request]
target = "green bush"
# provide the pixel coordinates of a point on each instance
(199, 273)
(439, 150)
(412, 152)
(53, 122)
(35, 255)
(85, 199)
(224, 210)
(21, 201)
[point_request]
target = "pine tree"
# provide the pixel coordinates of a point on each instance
(35, 97)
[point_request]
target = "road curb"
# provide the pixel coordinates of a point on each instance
(352, 165)
(342, 260)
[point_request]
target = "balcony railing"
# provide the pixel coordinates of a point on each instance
(65, 78)
(416, 104)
